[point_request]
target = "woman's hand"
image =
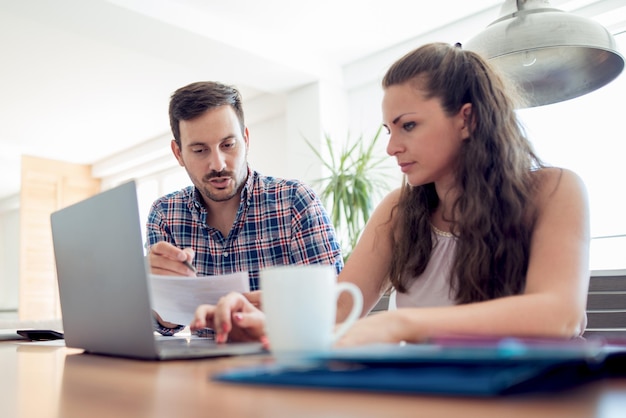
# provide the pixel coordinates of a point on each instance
(234, 318)
(383, 327)
(254, 298)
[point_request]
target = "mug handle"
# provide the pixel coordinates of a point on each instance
(355, 313)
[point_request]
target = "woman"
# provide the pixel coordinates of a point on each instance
(483, 239)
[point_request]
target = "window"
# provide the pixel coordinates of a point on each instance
(151, 188)
(587, 135)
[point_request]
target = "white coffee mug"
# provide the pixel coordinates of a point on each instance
(300, 305)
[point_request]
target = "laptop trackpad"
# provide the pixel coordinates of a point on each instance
(181, 347)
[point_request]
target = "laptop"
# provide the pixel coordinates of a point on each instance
(104, 287)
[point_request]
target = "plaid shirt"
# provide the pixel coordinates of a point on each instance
(278, 222)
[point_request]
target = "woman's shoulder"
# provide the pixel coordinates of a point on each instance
(556, 183)
(550, 180)
(391, 200)
(384, 210)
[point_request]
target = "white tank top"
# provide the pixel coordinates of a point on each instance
(433, 287)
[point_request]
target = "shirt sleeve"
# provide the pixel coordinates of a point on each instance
(166, 331)
(314, 240)
(157, 229)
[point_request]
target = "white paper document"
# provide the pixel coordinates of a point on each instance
(175, 298)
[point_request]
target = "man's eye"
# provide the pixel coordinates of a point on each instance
(408, 126)
(228, 145)
(198, 150)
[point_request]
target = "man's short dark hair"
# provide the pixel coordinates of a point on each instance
(194, 99)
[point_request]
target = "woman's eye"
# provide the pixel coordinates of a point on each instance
(387, 130)
(407, 126)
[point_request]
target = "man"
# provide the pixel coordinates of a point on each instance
(232, 218)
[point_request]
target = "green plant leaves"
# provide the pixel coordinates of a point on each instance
(356, 178)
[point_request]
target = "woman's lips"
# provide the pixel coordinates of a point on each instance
(405, 167)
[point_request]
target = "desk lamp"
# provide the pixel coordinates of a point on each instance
(553, 55)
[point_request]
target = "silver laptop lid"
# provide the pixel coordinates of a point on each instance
(102, 275)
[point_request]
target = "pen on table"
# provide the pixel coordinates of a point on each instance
(190, 266)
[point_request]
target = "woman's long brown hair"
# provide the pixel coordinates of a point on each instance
(494, 213)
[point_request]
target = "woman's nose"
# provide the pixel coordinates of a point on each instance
(393, 147)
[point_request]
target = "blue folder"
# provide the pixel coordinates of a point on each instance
(497, 369)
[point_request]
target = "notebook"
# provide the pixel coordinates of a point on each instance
(104, 288)
(508, 368)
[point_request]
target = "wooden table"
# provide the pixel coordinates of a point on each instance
(44, 381)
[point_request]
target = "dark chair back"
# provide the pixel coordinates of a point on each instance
(606, 304)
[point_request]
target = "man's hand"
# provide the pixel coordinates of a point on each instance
(166, 259)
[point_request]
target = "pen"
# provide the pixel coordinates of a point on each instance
(191, 267)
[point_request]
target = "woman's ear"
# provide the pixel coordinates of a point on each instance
(468, 120)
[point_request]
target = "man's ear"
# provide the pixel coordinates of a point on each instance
(177, 152)
(246, 137)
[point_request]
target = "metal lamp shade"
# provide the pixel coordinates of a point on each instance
(552, 55)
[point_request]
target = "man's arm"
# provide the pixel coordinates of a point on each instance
(314, 240)
(164, 258)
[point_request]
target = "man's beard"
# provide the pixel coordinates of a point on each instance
(219, 197)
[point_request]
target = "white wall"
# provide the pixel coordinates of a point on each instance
(267, 142)
(9, 259)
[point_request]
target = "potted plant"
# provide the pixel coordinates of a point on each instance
(355, 179)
